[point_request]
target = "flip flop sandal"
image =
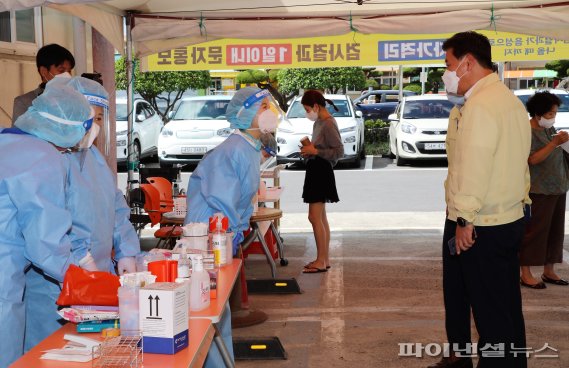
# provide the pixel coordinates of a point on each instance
(314, 270)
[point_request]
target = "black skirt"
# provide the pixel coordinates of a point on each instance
(319, 182)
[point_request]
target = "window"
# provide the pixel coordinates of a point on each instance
(20, 28)
(297, 110)
(201, 110)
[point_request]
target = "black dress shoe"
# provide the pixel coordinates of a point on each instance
(554, 282)
(453, 363)
(539, 285)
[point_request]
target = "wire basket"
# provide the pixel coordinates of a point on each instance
(119, 352)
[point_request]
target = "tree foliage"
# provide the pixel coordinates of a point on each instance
(329, 79)
(165, 86)
(372, 83)
(252, 76)
(560, 66)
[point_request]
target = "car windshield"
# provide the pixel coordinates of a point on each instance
(563, 97)
(297, 110)
(427, 109)
(121, 112)
(201, 110)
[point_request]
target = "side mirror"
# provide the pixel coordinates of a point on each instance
(393, 117)
(359, 114)
(140, 117)
(170, 114)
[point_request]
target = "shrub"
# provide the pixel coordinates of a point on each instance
(414, 88)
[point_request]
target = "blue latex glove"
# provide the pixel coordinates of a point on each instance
(237, 239)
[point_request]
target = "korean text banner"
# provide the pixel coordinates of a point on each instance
(352, 49)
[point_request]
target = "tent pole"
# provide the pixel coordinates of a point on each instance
(129, 103)
(400, 75)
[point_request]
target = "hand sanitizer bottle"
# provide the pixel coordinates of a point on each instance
(199, 287)
(219, 244)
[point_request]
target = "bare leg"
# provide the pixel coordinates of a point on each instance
(315, 218)
(327, 230)
(549, 272)
(527, 276)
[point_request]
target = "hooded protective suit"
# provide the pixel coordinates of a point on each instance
(100, 214)
(35, 222)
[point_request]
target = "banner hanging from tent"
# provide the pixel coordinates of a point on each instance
(353, 49)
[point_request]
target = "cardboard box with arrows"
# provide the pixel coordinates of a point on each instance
(164, 317)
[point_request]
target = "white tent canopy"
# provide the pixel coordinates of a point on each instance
(165, 24)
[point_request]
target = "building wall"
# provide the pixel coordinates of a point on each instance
(17, 64)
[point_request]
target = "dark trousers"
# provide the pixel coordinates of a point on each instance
(486, 279)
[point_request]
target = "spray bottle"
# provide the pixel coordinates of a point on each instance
(199, 288)
(219, 244)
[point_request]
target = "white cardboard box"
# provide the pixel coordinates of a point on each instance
(164, 317)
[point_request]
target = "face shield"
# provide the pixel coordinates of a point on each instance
(254, 108)
(268, 113)
(100, 122)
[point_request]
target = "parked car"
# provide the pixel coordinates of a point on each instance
(146, 129)
(379, 104)
(376, 111)
(381, 95)
(418, 128)
(197, 126)
(296, 125)
(562, 118)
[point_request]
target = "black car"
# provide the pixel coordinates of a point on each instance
(379, 104)
(377, 110)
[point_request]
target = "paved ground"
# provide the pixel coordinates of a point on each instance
(384, 288)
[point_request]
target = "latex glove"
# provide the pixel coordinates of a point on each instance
(126, 265)
(237, 239)
(88, 263)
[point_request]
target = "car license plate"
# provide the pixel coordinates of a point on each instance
(435, 146)
(194, 149)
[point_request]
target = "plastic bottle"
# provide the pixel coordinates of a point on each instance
(183, 265)
(188, 284)
(128, 310)
(199, 288)
(219, 245)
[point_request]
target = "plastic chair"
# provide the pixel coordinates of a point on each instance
(154, 209)
(164, 187)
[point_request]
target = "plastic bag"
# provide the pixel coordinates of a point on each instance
(82, 287)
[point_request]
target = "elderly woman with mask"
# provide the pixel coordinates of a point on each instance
(549, 171)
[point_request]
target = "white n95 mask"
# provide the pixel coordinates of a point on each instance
(546, 123)
(312, 115)
(451, 79)
(268, 121)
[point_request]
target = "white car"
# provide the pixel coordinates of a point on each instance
(197, 126)
(146, 129)
(296, 125)
(418, 128)
(562, 118)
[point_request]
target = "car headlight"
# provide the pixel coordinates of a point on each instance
(348, 129)
(408, 128)
(281, 140)
(225, 132)
(122, 132)
(350, 139)
(167, 132)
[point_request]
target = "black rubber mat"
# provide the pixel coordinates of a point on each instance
(273, 286)
(258, 348)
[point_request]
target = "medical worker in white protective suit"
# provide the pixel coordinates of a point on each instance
(99, 210)
(228, 177)
(34, 222)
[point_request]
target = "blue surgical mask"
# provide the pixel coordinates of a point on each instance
(456, 99)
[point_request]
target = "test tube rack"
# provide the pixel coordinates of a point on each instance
(119, 352)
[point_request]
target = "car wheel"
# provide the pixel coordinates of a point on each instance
(363, 152)
(398, 160)
(136, 151)
(389, 151)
